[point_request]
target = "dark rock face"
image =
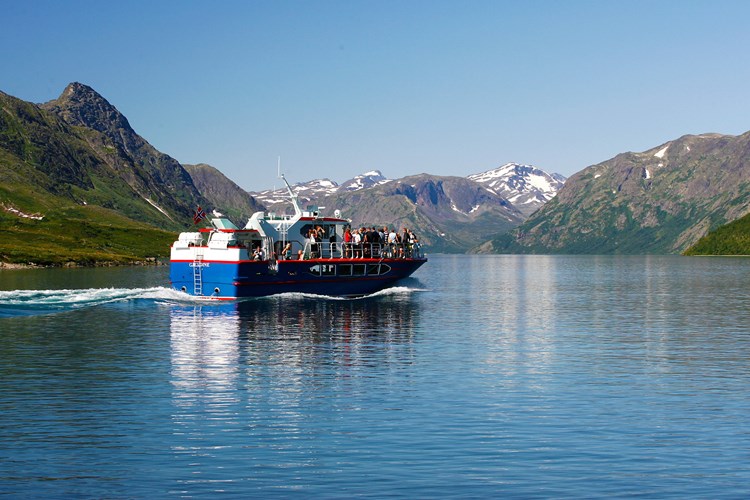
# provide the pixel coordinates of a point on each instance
(46, 143)
(82, 106)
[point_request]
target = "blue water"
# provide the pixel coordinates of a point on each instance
(481, 376)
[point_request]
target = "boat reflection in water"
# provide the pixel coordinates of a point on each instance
(286, 340)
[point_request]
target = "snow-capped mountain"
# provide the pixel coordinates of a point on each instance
(320, 188)
(305, 191)
(366, 180)
(525, 186)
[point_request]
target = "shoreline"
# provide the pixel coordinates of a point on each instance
(11, 266)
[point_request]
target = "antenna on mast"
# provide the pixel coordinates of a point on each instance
(295, 202)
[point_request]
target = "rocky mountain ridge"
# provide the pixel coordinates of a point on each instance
(524, 186)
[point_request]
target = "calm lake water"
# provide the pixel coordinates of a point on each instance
(481, 376)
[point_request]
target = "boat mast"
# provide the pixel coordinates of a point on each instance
(295, 202)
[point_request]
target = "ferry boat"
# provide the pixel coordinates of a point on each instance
(273, 255)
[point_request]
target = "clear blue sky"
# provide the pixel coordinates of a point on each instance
(337, 88)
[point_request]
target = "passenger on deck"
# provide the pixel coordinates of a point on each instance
(366, 243)
(357, 243)
(286, 253)
(348, 242)
(314, 244)
(375, 242)
(332, 242)
(405, 245)
(392, 243)
(414, 241)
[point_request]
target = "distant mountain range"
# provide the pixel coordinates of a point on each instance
(452, 214)
(78, 184)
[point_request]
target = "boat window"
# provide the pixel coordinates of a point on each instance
(323, 270)
(359, 269)
(350, 269)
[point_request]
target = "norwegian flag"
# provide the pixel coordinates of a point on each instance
(199, 215)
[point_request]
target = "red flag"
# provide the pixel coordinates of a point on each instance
(199, 215)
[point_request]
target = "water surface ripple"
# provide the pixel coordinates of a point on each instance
(482, 376)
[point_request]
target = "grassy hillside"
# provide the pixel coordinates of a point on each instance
(69, 233)
(65, 198)
(731, 239)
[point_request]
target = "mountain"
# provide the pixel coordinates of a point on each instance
(525, 186)
(77, 184)
(222, 193)
(659, 201)
(157, 178)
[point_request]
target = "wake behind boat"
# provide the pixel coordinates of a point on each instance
(304, 252)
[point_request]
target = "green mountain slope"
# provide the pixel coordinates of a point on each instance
(730, 239)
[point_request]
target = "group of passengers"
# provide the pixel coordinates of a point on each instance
(364, 243)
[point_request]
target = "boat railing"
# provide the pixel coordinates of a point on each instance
(338, 250)
(385, 251)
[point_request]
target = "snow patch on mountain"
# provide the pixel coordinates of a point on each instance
(660, 154)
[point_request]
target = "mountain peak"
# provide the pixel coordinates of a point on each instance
(526, 186)
(363, 181)
(77, 91)
(81, 105)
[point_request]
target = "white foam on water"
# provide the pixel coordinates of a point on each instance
(396, 290)
(25, 302)
(34, 302)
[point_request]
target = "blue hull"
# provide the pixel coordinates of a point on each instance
(336, 277)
